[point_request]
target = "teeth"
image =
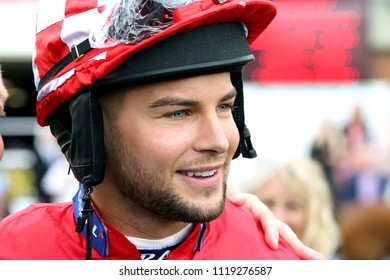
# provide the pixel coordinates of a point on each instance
(200, 174)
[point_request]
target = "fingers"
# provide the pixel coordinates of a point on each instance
(237, 198)
(300, 249)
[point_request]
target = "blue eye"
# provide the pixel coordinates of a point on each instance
(225, 107)
(178, 114)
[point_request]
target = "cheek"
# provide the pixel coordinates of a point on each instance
(162, 148)
(233, 137)
(299, 221)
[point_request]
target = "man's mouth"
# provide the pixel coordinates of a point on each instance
(200, 174)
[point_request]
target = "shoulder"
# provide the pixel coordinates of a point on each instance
(37, 229)
(41, 213)
(233, 216)
(242, 236)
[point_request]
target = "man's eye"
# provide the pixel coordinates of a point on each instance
(178, 114)
(225, 107)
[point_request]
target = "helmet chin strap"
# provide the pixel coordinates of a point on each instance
(245, 147)
(86, 218)
(81, 139)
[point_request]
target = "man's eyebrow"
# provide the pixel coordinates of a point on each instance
(232, 93)
(173, 101)
(177, 101)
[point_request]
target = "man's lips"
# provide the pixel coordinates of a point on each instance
(200, 174)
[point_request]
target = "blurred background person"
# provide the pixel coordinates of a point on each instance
(327, 148)
(3, 184)
(299, 195)
(3, 98)
(359, 176)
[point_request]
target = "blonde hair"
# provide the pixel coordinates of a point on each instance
(3, 94)
(304, 177)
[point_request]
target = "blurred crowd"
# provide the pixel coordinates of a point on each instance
(357, 170)
(354, 165)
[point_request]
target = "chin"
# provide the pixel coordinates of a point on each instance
(205, 212)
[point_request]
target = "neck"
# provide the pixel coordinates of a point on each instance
(131, 219)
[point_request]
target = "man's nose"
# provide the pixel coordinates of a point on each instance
(213, 134)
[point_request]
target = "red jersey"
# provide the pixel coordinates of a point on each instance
(47, 231)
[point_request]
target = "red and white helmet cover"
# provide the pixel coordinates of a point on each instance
(62, 24)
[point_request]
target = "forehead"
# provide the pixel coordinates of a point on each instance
(209, 87)
(273, 185)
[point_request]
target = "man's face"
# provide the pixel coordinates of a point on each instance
(170, 147)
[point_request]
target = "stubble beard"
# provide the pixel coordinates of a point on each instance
(150, 191)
